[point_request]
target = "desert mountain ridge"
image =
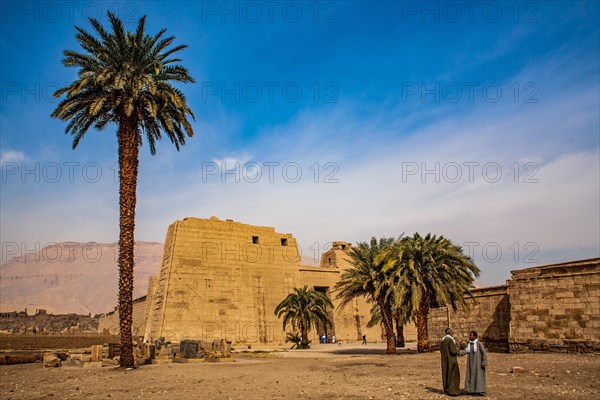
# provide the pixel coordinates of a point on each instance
(73, 277)
(76, 277)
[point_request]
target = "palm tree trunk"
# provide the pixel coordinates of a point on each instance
(128, 172)
(422, 333)
(388, 326)
(304, 334)
(399, 332)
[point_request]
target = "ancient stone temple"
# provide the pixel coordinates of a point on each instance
(223, 279)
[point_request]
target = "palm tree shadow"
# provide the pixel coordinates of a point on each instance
(406, 351)
(367, 351)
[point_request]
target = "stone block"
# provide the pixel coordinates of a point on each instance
(114, 350)
(51, 360)
(97, 352)
(79, 358)
(188, 348)
(562, 295)
(227, 349)
(556, 342)
(149, 351)
(92, 364)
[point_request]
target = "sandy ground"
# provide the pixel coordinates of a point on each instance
(324, 372)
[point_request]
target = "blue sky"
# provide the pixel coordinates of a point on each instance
(343, 120)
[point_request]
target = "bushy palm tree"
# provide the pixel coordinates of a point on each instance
(125, 79)
(303, 309)
(294, 337)
(367, 278)
(428, 271)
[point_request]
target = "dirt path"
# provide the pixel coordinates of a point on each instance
(334, 372)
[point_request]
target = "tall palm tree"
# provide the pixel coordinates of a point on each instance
(429, 271)
(400, 317)
(303, 309)
(367, 278)
(125, 78)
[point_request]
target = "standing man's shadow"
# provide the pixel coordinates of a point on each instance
(440, 391)
(434, 390)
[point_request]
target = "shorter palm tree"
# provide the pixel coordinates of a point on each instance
(293, 338)
(304, 309)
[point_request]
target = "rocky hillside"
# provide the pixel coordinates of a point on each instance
(72, 277)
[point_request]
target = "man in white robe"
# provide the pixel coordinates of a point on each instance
(476, 363)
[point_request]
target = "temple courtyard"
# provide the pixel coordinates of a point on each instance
(327, 371)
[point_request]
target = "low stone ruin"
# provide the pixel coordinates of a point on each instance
(187, 350)
(217, 350)
(44, 323)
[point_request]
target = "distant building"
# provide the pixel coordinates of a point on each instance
(43, 322)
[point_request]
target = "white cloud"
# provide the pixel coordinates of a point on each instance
(12, 156)
(232, 162)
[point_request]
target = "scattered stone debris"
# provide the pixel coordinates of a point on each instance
(51, 360)
(97, 356)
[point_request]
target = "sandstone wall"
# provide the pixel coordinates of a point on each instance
(152, 288)
(109, 322)
(556, 307)
(553, 308)
(222, 279)
(488, 315)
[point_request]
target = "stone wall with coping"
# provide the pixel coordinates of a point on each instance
(547, 308)
(556, 307)
(488, 314)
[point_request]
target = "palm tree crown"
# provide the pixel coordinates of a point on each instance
(125, 78)
(428, 271)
